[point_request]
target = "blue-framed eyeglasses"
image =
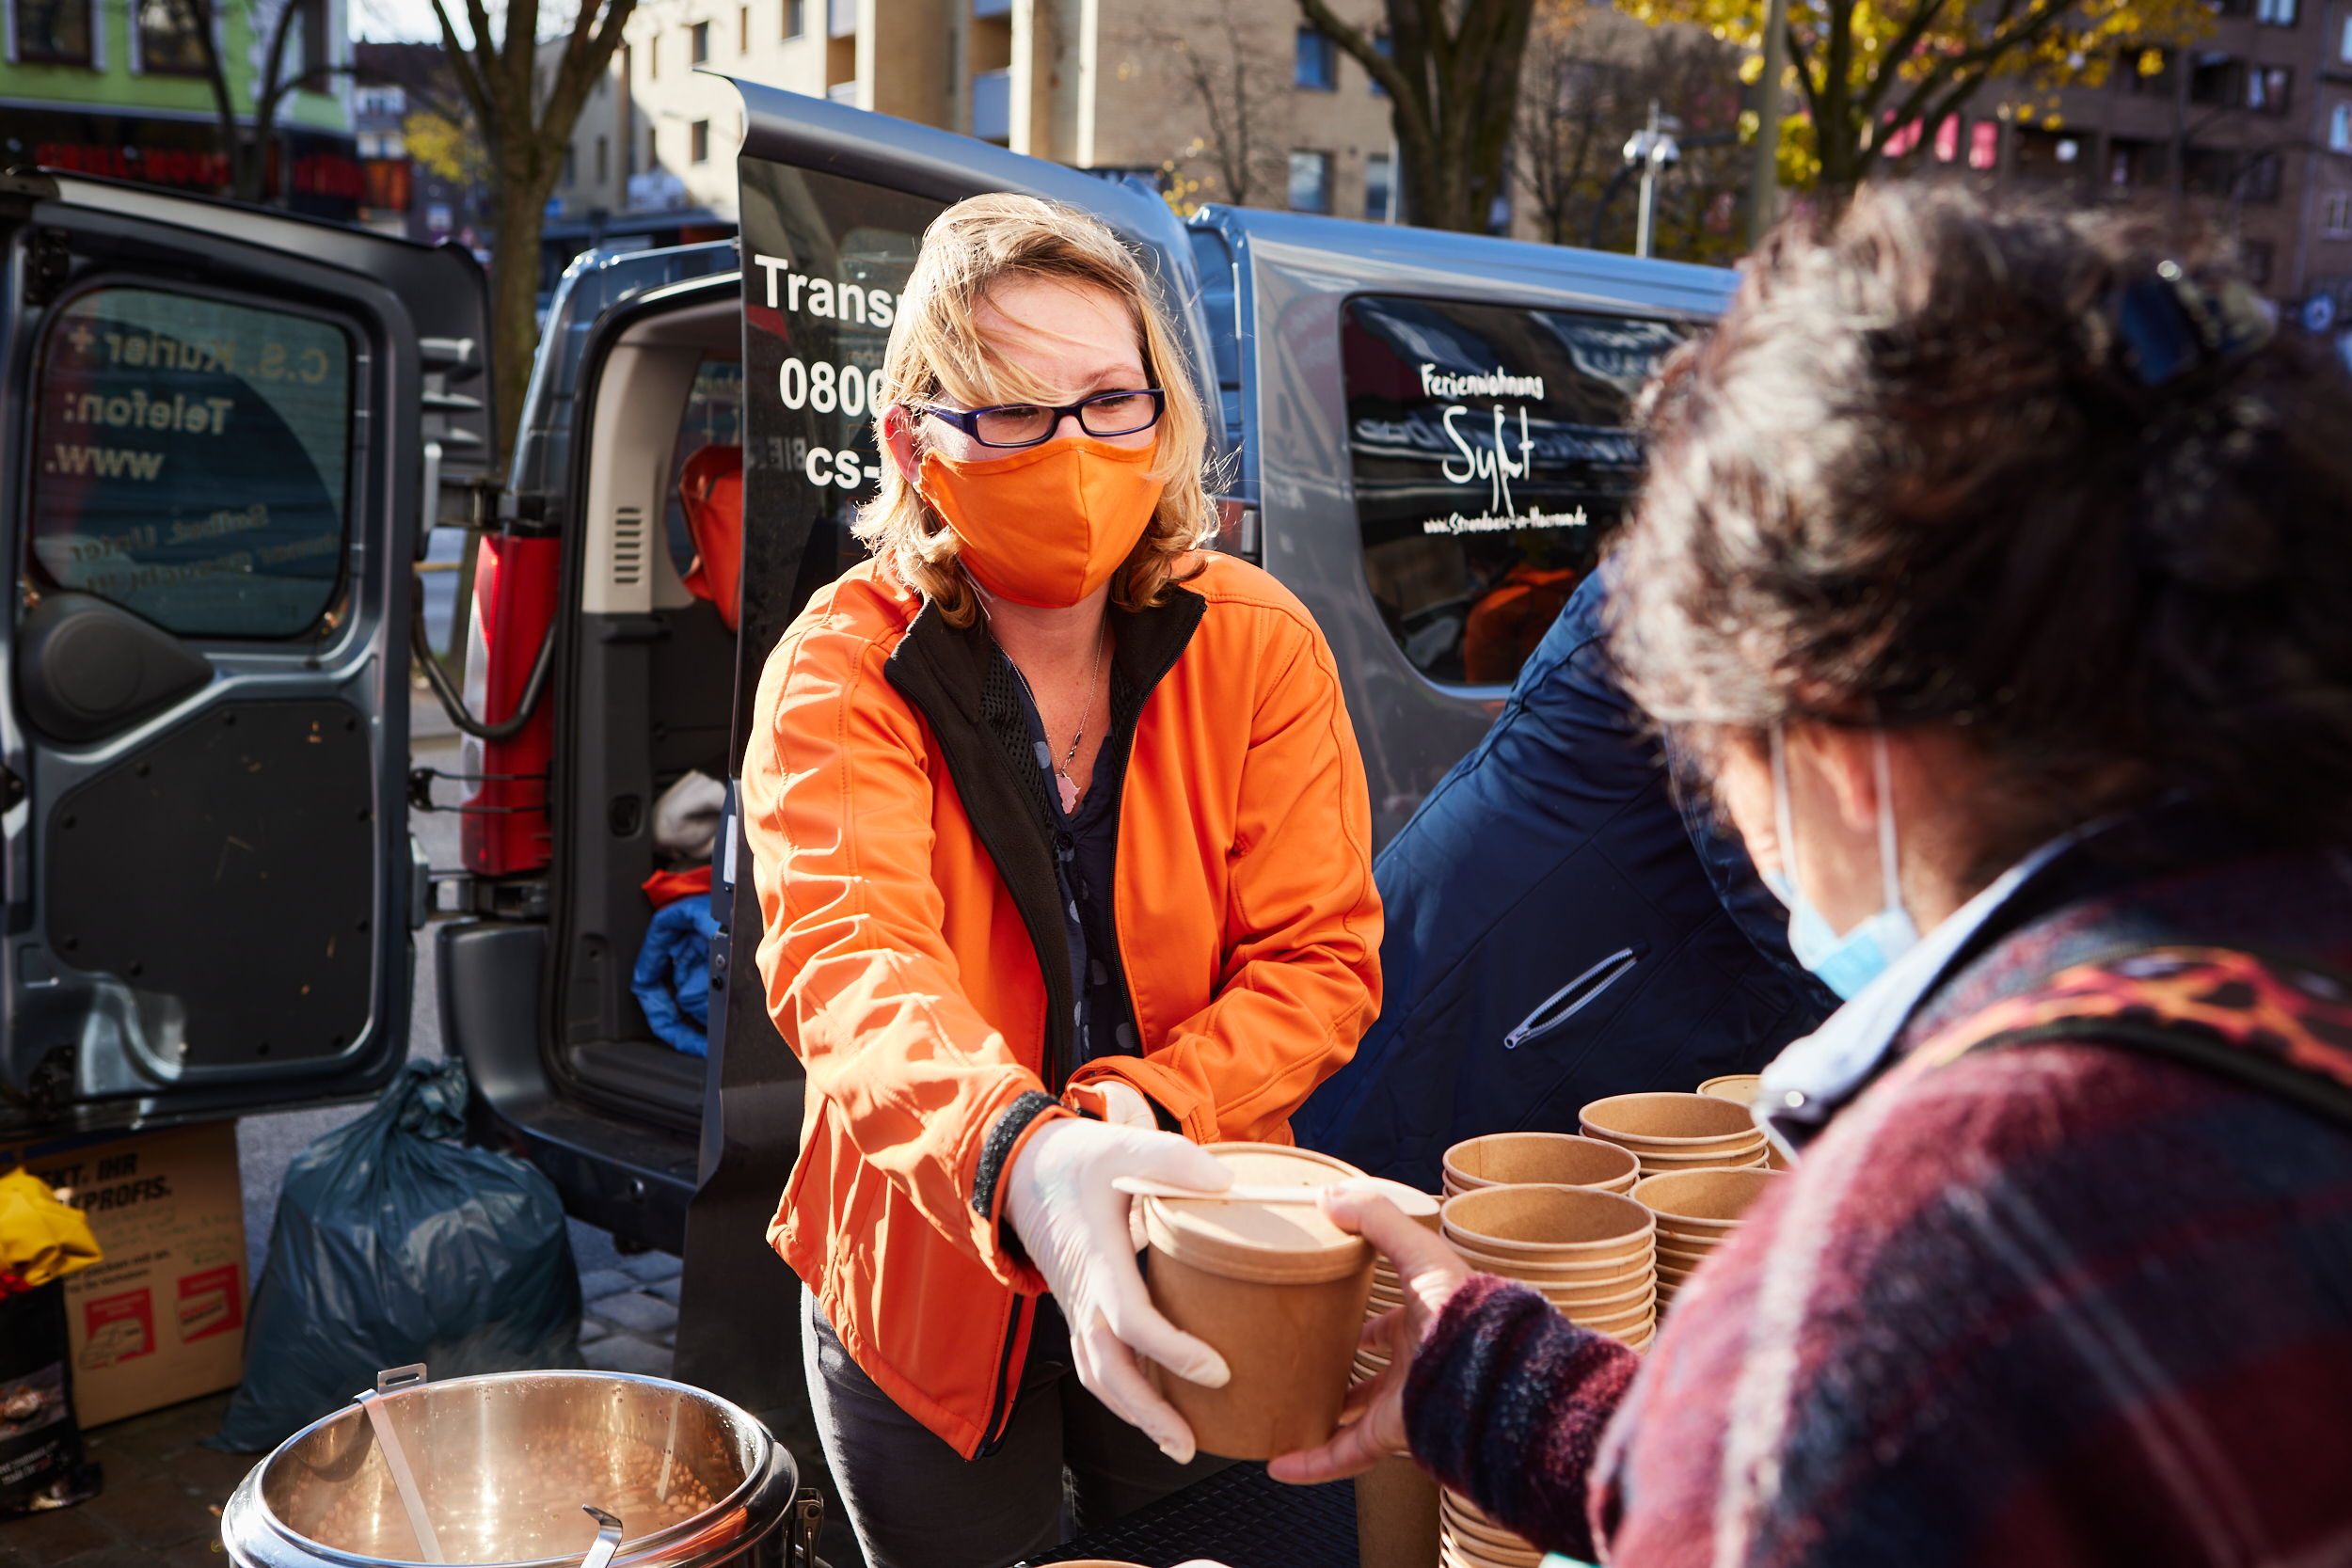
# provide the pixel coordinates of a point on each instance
(1029, 424)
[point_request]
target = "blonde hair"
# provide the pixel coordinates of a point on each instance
(936, 348)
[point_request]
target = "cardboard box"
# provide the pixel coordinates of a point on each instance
(161, 1318)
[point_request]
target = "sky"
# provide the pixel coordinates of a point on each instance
(399, 21)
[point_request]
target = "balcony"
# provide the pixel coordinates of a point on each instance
(991, 106)
(843, 92)
(841, 19)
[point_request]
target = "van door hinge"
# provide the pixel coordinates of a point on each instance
(804, 1528)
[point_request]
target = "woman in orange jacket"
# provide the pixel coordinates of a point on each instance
(1064, 858)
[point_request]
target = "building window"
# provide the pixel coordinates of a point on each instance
(698, 43)
(1947, 139)
(380, 103)
(1385, 47)
(2275, 13)
(1379, 188)
(1985, 144)
(653, 58)
(698, 141)
(2261, 176)
(2133, 164)
(2050, 154)
(2344, 46)
(743, 30)
(2254, 256)
(2218, 80)
(795, 18)
(571, 165)
(53, 32)
(2335, 215)
(2340, 127)
(169, 43)
(604, 160)
(1311, 182)
(1316, 64)
(2266, 90)
(652, 148)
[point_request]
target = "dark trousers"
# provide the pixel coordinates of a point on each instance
(915, 1503)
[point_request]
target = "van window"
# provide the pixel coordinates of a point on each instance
(1491, 457)
(826, 260)
(713, 418)
(192, 460)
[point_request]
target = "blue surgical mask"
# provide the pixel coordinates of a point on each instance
(1845, 964)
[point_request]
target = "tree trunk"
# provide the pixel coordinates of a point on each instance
(520, 204)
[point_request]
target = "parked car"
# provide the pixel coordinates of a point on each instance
(211, 903)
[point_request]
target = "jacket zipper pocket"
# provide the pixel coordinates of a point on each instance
(1000, 1416)
(1573, 998)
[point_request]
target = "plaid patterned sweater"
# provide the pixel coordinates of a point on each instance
(2053, 1303)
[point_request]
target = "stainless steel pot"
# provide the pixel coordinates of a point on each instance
(503, 1466)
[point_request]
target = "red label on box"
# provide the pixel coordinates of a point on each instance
(209, 1304)
(117, 1328)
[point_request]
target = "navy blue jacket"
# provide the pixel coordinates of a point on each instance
(1557, 931)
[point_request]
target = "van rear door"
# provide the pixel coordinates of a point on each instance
(224, 422)
(834, 204)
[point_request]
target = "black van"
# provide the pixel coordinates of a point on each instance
(210, 900)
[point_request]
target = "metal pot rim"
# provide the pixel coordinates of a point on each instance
(649, 1551)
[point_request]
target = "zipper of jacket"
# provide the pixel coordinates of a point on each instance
(1572, 998)
(1000, 1413)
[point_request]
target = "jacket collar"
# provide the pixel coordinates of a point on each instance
(952, 662)
(946, 672)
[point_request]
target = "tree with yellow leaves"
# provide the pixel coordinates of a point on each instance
(1866, 71)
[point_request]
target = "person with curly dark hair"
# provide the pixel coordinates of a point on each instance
(1995, 568)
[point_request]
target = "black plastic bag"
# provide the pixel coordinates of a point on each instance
(395, 1245)
(41, 1447)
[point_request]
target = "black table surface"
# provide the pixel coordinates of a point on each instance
(1236, 1516)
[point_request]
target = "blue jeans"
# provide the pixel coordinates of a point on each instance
(916, 1503)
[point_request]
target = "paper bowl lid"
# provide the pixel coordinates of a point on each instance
(1287, 1244)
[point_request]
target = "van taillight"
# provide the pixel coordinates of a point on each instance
(506, 826)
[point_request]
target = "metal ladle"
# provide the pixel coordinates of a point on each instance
(608, 1537)
(396, 1459)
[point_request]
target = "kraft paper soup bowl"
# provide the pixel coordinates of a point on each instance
(1667, 1123)
(1545, 1159)
(1601, 1298)
(1738, 1088)
(1277, 1290)
(1549, 1224)
(1697, 1201)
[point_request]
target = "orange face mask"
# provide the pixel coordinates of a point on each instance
(1047, 525)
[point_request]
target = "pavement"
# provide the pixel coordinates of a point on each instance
(163, 1491)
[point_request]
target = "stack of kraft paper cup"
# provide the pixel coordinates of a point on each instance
(1696, 1211)
(1396, 1501)
(1676, 1132)
(1538, 1159)
(1594, 1256)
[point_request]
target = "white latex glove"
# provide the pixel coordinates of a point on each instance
(1123, 1105)
(1076, 1229)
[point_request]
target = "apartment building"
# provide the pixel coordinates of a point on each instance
(121, 88)
(2251, 126)
(1229, 99)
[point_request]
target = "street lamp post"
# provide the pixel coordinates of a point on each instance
(1652, 150)
(1764, 182)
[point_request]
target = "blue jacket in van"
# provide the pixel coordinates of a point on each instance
(1558, 930)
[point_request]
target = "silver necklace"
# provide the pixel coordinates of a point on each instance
(1061, 770)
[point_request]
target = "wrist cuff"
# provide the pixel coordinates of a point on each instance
(997, 1149)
